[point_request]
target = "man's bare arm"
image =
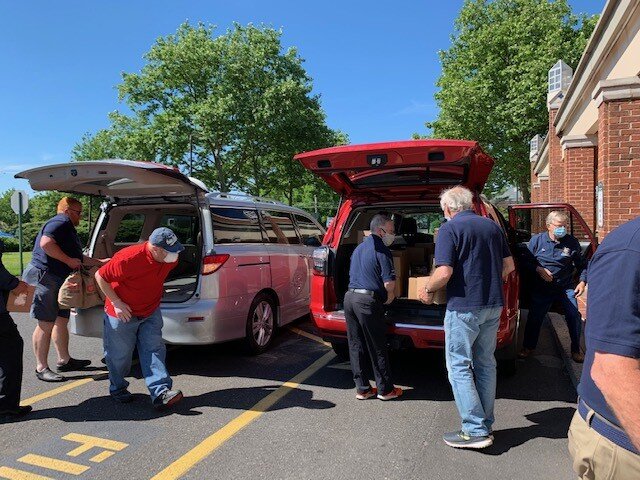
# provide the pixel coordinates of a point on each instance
(508, 266)
(123, 311)
(390, 287)
(618, 377)
(440, 278)
(52, 249)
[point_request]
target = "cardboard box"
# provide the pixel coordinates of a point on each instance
(362, 234)
(417, 284)
(21, 303)
(401, 266)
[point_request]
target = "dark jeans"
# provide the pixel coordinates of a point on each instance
(366, 333)
(11, 347)
(541, 302)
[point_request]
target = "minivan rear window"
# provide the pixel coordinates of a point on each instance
(445, 175)
(235, 225)
(280, 228)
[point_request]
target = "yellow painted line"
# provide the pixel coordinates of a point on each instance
(88, 442)
(313, 337)
(56, 391)
(201, 451)
(54, 464)
(13, 474)
(101, 457)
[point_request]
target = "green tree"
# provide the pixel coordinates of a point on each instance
(238, 102)
(494, 77)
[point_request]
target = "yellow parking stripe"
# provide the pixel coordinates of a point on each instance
(54, 464)
(313, 337)
(88, 442)
(13, 474)
(56, 391)
(211, 443)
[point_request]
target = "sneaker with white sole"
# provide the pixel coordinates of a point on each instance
(372, 392)
(395, 393)
(462, 440)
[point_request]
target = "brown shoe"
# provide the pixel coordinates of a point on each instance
(525, 352)
(578, 357)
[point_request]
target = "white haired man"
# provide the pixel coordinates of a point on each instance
(555, 254)
(473, 260)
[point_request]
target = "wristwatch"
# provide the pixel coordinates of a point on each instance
(426, 290)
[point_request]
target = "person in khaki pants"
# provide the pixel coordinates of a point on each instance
(604, 436)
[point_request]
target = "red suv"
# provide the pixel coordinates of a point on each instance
(405, 179)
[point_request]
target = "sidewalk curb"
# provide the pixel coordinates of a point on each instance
(561, 336)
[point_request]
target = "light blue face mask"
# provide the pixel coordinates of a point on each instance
(560, 232)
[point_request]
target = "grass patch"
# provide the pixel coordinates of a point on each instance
(11, 260)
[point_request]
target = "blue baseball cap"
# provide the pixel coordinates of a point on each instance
(164, 237)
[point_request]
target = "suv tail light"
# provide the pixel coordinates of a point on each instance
(211, 263)
(321, 261)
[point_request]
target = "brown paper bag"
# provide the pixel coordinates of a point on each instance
(80, 290)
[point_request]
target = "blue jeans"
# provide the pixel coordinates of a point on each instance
(541, 301)
(470, 344)
(120, 338)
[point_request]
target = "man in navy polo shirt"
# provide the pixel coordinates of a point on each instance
(372, 282)
(554, 255)
(473, 260)
(604, 437)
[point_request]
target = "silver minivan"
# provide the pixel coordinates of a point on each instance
(247, 261)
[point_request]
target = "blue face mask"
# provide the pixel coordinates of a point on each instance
(560, 232)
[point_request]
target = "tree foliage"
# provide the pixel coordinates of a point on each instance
(494, 77)
(238, 104)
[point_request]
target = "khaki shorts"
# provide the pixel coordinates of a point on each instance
(598, 458)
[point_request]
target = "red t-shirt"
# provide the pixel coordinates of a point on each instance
(137, 279)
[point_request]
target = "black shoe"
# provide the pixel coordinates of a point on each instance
(462, 440)
(17, 412)
(167, 399)
(73, 364)
(47, 375)
(123, 396)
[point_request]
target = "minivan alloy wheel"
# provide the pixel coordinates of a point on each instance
(263, 323)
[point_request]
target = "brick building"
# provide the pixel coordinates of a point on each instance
(590, 156)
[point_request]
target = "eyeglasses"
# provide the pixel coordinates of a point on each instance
(79, 212)
(388, 233)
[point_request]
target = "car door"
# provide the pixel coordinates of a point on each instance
(529, 219)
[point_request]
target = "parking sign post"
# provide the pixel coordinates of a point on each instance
(19, 204)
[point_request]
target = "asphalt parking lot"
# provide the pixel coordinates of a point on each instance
(287, 414)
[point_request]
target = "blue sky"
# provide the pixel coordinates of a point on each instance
(375, 64)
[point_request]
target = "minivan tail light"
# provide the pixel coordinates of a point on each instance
(211, 263)
(321, 261)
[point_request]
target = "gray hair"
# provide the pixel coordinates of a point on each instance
(456, 199)
(557, 215)
(378, 221)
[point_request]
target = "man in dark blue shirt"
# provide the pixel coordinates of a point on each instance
(554, 256)
(604, 437)
(56, 253)
(371, 285)
(11, 347)
(473, 260)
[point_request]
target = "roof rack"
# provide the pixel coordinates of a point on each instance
(244, 196)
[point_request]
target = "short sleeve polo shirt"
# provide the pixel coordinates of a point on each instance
(372, 266)
(137, 279)
(61, 229)
(474, 247)
(559, 257)
(613, 307)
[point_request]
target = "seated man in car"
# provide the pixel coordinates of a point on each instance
(555, 255)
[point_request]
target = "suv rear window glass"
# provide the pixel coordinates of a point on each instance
(445, 175)
(280, 228)
(235, 225)
(130, 228)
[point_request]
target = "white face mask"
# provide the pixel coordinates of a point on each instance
(171, 257)
(388, 240)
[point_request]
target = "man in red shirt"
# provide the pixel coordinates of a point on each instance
(133, 283)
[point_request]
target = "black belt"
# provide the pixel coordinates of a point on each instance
(605, 428)
(364, 291)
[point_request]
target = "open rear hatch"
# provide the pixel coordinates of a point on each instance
(390, 170)
(113, 178)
